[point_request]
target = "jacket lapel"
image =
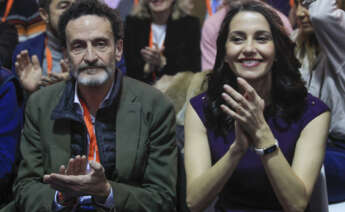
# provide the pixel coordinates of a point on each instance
(61, 149)
(128, 125)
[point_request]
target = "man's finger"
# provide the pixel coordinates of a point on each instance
(96, 166)
(62, 169)
(64, 66)
(70, 166)
(36, 63)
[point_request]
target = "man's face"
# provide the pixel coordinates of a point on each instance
(91, 50)
(56, 8)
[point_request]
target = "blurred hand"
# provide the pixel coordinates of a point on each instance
(28, 70)
(153, 57)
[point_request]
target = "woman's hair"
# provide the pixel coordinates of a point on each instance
(142, 10)
(287, 92)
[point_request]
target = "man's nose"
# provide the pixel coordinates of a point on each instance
(90, 55)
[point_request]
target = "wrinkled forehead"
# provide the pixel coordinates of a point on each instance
(89, 27)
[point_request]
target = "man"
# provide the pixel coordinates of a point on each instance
(39, 61)
(126, 125)
(43, 53)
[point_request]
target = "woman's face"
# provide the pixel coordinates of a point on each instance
(303, 19)
(158, 6)
(250, 49)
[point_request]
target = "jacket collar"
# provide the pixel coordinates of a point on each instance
(67, 109)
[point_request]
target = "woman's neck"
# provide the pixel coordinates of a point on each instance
(161, 18)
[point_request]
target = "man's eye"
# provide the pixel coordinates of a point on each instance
(100, 44)
(77, 48)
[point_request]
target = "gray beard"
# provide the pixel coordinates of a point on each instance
(92, 81)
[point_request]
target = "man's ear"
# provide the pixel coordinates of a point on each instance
(44, 15)
(118, 49)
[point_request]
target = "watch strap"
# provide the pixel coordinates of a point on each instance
(267, 150)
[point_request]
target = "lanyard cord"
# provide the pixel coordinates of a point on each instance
(209, 7)
(49, 57)
(93, 148)
(8, 9)
(154, 77)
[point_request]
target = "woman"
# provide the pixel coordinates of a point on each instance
(160, 38)
(210, 31)
(321, 50)
(255, 101)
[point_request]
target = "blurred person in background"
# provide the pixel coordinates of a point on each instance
(24, 15)
(320, 47)
(161, 39)
(39, 60)
(11, 112)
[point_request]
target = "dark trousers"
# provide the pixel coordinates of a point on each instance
(335, 170)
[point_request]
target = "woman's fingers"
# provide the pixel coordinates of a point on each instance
(236, 96)
(232, 113)
(250, 92)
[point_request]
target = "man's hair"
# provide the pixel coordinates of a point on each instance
(91, 7)
(8, 42)
(44, 4)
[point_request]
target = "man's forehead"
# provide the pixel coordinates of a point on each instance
(88, 26)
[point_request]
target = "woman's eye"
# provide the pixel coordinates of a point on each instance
(236, 39)
(263, 39)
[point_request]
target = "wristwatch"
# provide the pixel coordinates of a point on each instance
(267, 150)
(306, 3)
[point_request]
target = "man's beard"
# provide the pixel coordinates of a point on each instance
(92, 80)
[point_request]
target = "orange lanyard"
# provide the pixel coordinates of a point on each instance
(136, 2)
(292, 3)
(49, 57)
(8, 9)
(93, 148)
(209, 7)
(151, 46)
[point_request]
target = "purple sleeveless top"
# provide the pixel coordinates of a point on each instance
(249, 186)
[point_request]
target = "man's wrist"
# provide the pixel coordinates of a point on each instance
(101, 198)
(66, 201)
